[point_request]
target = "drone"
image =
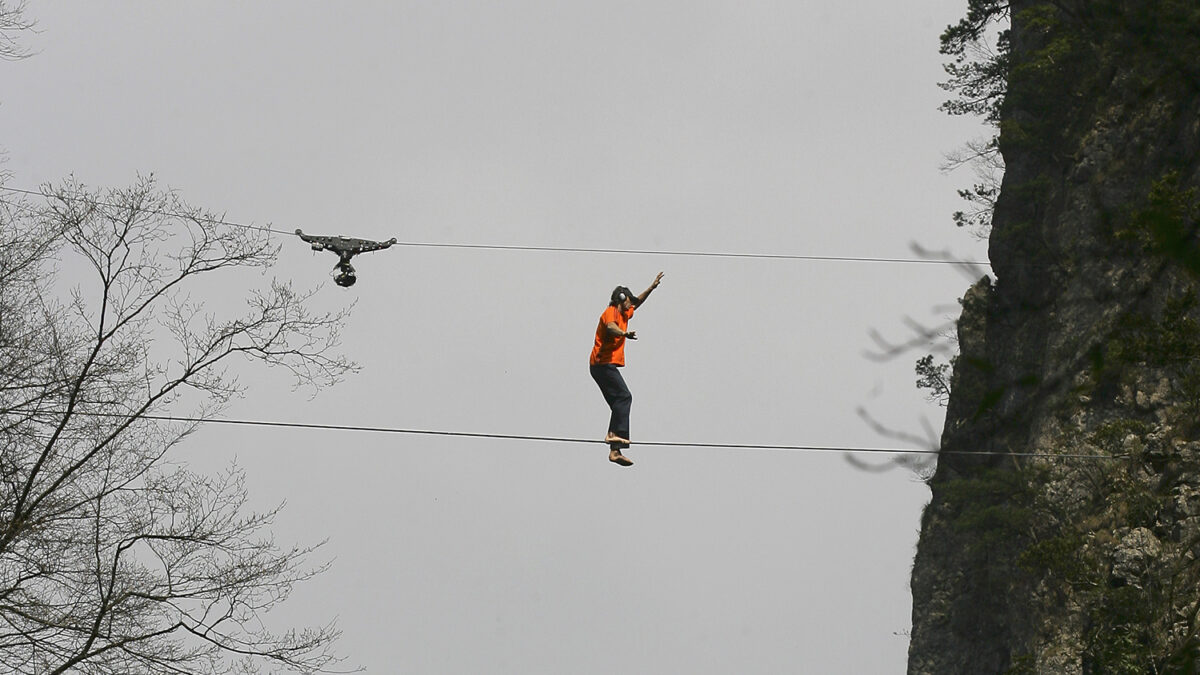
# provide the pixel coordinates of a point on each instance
(345, 248)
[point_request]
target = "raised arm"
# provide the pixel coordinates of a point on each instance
(646, 293)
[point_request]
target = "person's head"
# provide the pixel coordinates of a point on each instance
(622, 297)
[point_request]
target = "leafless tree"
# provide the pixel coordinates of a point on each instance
(12, 21)
(984, 159)
(114, 556)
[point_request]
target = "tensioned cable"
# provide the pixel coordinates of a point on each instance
(565, 439)
(561, 249)
(701, 254)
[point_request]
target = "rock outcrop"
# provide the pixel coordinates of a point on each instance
(1069, 544)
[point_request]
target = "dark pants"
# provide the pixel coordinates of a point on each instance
(612, 385)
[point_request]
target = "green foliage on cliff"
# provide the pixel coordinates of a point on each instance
(1070, 51)
(979, 70)
(1169, 222)
(997, 504)
(977, 75)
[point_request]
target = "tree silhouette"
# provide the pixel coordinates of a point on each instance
(115, 557)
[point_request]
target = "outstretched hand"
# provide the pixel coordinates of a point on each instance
(657, 280)
(631, 335)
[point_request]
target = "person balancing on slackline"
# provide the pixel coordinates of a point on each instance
(608, 354)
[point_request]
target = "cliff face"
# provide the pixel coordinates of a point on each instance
(1085, 352)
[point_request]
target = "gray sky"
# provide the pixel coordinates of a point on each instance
(805, 128)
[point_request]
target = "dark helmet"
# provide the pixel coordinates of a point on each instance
(619, 294)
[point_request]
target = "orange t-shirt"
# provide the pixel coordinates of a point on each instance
(608, 349)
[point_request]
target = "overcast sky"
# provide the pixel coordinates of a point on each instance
(796, 128)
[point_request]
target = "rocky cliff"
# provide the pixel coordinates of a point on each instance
(1069, 543)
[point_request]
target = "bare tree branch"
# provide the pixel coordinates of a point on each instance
(114, 559)
(12, 22)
